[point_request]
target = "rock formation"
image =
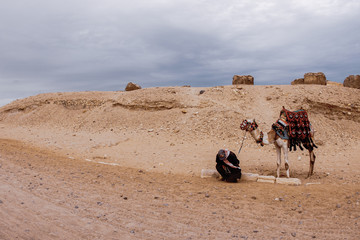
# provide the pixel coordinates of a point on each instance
(297, 81)
(248, 79)
(352, 81)
(311, 78)
(132, 86)
(315, 78)
(331, 83)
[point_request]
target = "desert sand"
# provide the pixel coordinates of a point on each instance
(126, 165)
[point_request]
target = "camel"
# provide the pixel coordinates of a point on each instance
(272, 137)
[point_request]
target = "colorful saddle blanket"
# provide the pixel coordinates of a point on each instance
(298, 128)
(281, 128)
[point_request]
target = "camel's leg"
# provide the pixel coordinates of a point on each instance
(287, 167)
(278, 151)
(312, 162)
(281, 144)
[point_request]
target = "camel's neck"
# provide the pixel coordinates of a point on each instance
(260, 137)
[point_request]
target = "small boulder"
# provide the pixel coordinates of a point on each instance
(132, 86)
(248, 80)
(352, 81)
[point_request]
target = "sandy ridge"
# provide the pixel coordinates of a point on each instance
(155, 142)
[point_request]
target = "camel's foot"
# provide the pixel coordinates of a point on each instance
(308, 176)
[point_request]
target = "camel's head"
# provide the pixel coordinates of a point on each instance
(249, 125)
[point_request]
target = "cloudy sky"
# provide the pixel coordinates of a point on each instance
(85, 45)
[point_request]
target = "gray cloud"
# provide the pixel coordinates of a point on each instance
(77, 45)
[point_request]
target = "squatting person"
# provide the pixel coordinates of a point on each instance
(227, 164)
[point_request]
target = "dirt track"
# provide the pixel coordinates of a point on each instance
(50, 191)
(48, 196)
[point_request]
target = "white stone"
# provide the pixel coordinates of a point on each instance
(289, 181)
(249, 177)
(261, 180)
(206, 173)
(266, 177)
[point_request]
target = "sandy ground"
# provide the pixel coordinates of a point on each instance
(126, 165)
